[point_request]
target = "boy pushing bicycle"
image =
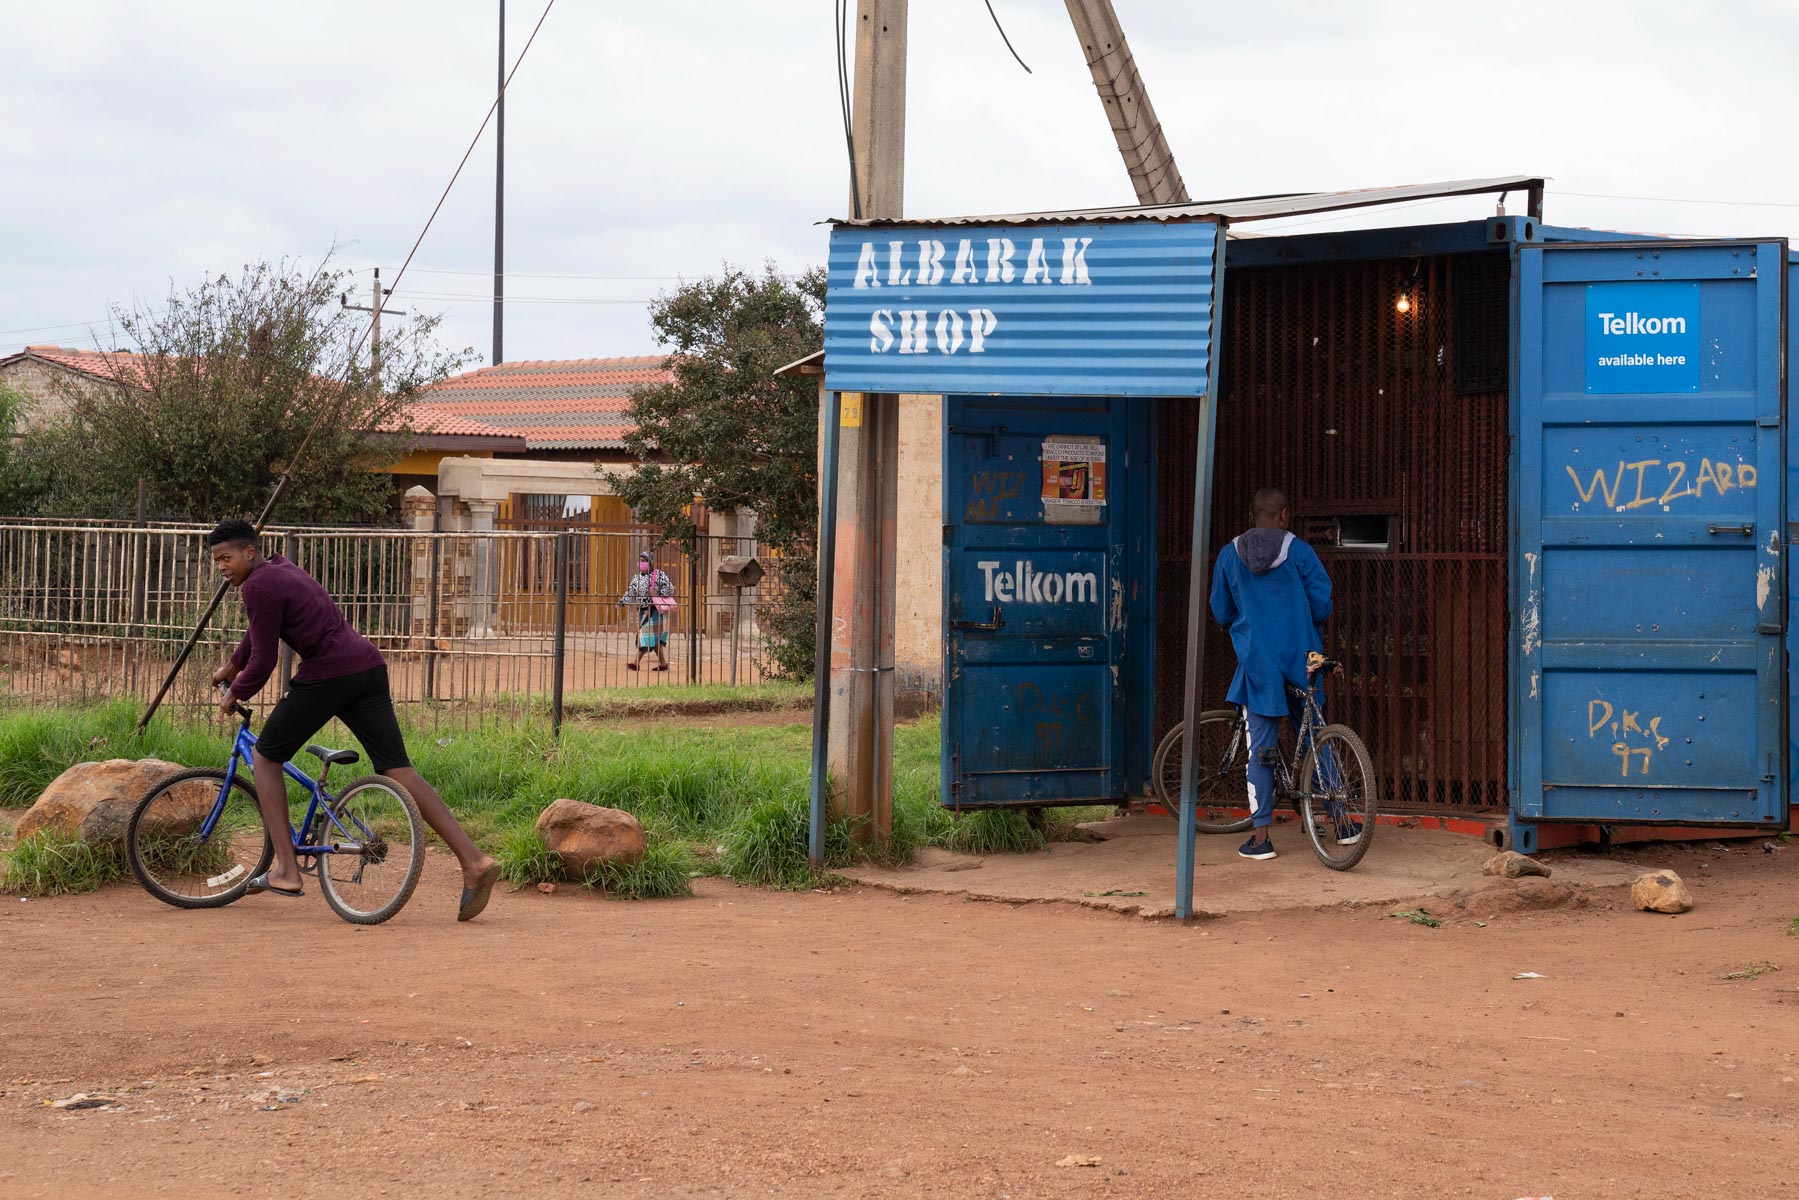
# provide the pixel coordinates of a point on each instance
(1270, 590)
(341, 675)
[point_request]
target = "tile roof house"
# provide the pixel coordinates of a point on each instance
(44, 375)
(579, 404)
(566, 417)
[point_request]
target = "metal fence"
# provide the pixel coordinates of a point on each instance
(470, 623)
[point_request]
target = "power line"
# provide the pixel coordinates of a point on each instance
(486, 298)
(42, 328)
(562, 275)
(840, 11)
(1003, 37)
(1678, 200)
(343, 383)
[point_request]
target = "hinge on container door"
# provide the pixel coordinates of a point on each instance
(948, 533)
(1769, 776)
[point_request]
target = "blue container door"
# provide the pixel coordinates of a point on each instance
(1649, 606)
(1039, 594)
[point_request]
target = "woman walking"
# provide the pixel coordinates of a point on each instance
(652, 594)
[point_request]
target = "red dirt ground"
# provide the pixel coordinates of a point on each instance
(861, 1044)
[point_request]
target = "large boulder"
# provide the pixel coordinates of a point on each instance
(586, 835)
(92, 801)
(1661, 891)
(1496, 895)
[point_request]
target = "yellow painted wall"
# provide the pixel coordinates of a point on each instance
(424, 462)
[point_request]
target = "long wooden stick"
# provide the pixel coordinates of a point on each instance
(218, 596)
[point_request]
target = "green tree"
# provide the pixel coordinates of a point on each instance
(730, 434)
(226, 380)
(23, 480)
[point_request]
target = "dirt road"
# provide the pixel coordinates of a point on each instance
(749, 1043)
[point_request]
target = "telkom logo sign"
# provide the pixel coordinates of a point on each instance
(1642, 338)
(1024, 584)
(1631, 323)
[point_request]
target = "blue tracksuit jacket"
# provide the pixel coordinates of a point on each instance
(1270, 589)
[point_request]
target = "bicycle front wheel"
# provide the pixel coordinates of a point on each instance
(1339, 797)
(180, 864)
(378, 850)
(1222, 784)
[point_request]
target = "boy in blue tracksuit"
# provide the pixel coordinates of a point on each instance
(1271, 591)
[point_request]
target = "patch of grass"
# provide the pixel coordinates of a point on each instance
(985, 831)
(46, 864)
(1751, 971)
(525, 860)
(704, 700)
(1793, 929)
(731, 800)
(767, 843)
(664, 869)
(1418, 916)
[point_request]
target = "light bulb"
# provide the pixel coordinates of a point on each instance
(1405, 303)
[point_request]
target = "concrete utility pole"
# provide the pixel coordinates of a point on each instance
(499, 207)
(1120, 86)
(861, 713)
(376, 306)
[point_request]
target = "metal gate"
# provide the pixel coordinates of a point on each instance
(1650, 584)
(1387, 429)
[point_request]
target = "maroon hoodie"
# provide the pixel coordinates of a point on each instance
(288, 605)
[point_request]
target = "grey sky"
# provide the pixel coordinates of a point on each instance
(154, 142)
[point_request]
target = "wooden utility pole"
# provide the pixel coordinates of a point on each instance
(1120, 86)
(376, 306)
(865, 600)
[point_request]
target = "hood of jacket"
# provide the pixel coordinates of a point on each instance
(1262, 550)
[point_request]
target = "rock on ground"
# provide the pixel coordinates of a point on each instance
(1661, 891)
(587, 834)
(92, 801)
(1511, 865)
(1502, 895)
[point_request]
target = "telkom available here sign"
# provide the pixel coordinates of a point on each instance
(1642, 338)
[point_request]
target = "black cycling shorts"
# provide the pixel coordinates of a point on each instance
(361, 701)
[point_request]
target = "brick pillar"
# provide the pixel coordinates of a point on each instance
(418, 513)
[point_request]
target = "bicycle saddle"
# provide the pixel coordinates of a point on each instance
(327, 755)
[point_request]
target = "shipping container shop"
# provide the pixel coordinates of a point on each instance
(1544, 467)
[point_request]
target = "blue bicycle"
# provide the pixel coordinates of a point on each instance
(197, 839)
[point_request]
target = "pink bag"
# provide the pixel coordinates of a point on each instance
(663, 603)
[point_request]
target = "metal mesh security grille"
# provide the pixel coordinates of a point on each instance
(1397, 479)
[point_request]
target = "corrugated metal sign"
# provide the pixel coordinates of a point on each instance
(1061, 310)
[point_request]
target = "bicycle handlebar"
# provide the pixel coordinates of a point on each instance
(240, 708)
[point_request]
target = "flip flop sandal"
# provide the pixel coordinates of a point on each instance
(663, 667)
(260, 883)
(475, 899)
(630, 666)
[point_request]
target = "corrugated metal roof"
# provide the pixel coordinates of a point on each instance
(1245, 208)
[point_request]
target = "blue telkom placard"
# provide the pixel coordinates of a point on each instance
(1642, 337)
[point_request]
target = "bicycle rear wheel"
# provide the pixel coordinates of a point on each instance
(180, 866)
(1222, 784)
(379, 842)
(1339, 797)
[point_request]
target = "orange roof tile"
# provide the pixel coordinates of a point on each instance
(567, 404)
